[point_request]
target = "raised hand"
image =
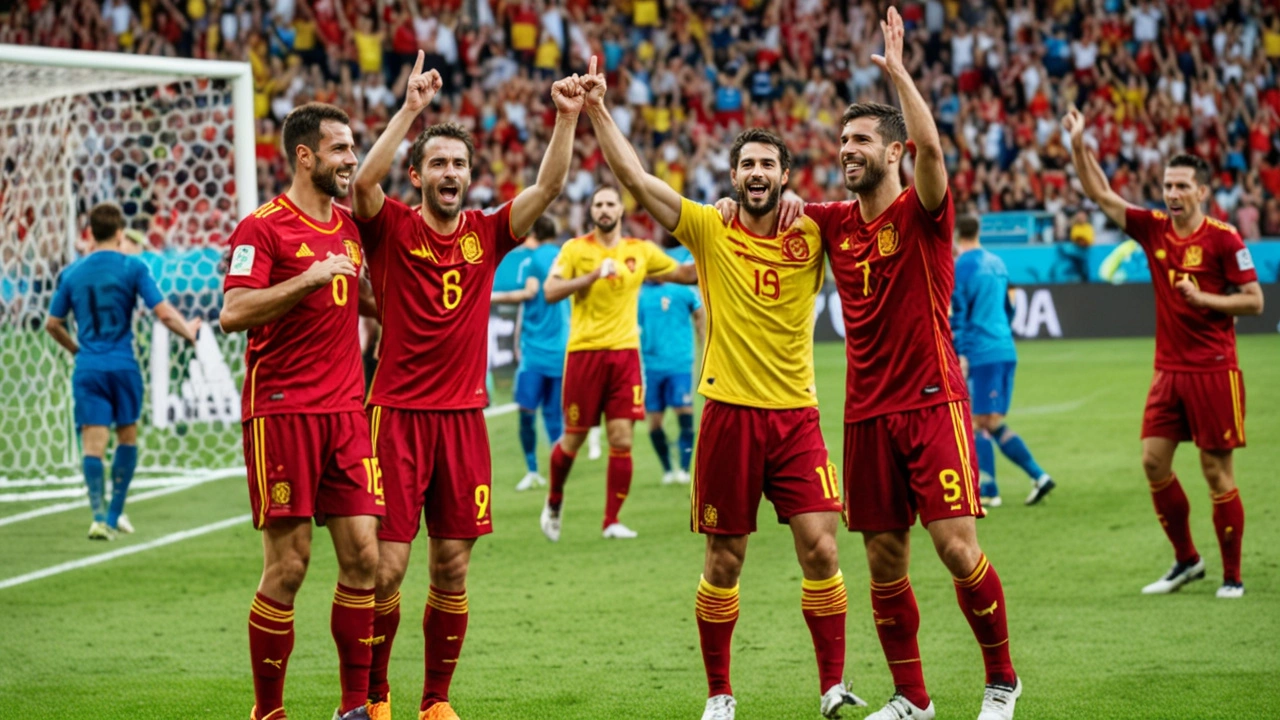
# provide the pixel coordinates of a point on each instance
(593, 84)
(322, 272)
(1073, 123)
(728, 208)
(893, 30)
(568, 95)
(422, 86)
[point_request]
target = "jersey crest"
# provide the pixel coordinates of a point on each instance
(631, 264)
(795, 248)
(1194, 256)
(887, 240)
(472, 251)
(280, 493)
(353, 250)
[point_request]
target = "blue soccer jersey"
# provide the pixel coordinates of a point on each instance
(666, 327)
(101, 290)
(981, 310)
(544, 329)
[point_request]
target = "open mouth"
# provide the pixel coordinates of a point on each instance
(757, 190)
(853, 168)
(1175, 209)
(344, 176)
(448, 193)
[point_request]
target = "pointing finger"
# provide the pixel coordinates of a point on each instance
(591, 67)
(417, 65)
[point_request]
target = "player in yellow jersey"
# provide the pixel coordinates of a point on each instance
(759, 432)
(603, 272)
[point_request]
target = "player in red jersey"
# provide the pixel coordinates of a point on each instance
(432, 268)
(1203, 277)
(908, 442)
(292, 283)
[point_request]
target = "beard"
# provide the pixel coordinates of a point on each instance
(765, 206)
(873, 173)
(432, 198)
(605, 227)
(325, 178)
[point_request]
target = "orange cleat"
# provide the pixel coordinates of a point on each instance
(439, 711)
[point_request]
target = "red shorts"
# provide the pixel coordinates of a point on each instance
(743, 453)
(919, 461)
(1206, 408)
(435, 466)
(601, 381)
(310, 466)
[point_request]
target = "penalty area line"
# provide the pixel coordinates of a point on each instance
(122, 552)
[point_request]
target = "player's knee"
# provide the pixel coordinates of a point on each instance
(449, 573)
(987, 422)
(1156, 467)
(287, 573)
(364, 561)
(960, 555)
(820, 558)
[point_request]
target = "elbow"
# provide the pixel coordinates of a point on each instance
(229, 321)
(1258, 306)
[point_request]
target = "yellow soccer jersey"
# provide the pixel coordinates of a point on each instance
(605, 314)
(759, 294)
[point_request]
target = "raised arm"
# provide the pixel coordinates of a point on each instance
(367, 196)
(1092, 179)
(930, 167)
(529, 205)
(244, 308)
(654, 195)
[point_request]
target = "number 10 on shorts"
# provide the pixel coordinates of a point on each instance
(830, 480)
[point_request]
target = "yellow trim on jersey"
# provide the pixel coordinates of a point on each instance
(933, 319)
(287, 204)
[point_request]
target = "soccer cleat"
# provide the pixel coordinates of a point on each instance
(380, 709)
(1231, 590)
(720, 707)
(989, 494)
(99, 531)
(439, 711)
(670, 477)
(991, 501)
(998, 701)
(1180, 574)
(593, 444)
(529, 481)
(618, 531)
(682, 476)
(836, 697)
(277, 714)
(550, 523)
(123, 525)
(1040, 488)
(900, 708)
(358, 713)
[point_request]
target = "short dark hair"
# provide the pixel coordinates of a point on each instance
(445, 130)
(764, 137)
(968, 226)
(544, 228)
(1204, 175)
(891, 125)
(105, 220)
(591, 199)
(302, 127)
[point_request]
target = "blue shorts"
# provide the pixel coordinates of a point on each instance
(991, 387)
(534, 390)
(107, 397)
(667, 390)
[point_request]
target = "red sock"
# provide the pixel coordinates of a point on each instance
(1228, 520)
(981, 598)
(386, 620)
(351, 622)
(561, 464)
(445, 625)
(1174, 513)
(717, 613)
(617, 486)
(270, 642)
(897, 617)
(825, 604)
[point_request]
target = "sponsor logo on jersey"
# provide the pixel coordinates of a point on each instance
(795, 248)
(304, 251)
(353, 250)
(887, 240)
(1161, 254)
(472, 251)
(845, 245)
(423, 251)
(280, 493)
(1194, 257)
(710, 516)
(242, 260)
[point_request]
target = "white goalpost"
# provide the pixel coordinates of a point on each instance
(171, 140)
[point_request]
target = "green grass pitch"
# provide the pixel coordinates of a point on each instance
(604, 629)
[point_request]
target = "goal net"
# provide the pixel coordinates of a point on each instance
(171, 142)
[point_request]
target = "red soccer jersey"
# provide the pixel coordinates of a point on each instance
(1213, 257)
(894, 275)
(433, 302)
(307, 360)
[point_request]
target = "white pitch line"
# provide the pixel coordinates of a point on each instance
(63, 507)
(130, 550)
(1057, 408)
(74, 492)
(501, 410)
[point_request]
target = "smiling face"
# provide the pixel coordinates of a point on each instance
(864, 155)
(444, 175)
(759, 178)
(1183, 196)
(334, 161)
(606, 210)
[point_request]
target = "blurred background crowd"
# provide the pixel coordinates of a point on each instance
(685, 76)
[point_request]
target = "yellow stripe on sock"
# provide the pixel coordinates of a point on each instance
(815, 585)
(977, 576)
(387, 606)
(707, 588)
(269, 630)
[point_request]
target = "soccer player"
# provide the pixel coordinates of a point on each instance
(980, 315)
(908, 445)
(760, 433)
(432, 268)
(292, 284)
(543, 331)
(669, 315)
(101, 291)
(1203, 277)
(603, 272)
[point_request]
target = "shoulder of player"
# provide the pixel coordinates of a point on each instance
(1220, 229)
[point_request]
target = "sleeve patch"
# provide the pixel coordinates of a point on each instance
(1244, 260)
(242, 261)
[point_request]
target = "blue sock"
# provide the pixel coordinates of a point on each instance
(92, 467)
(529, 440)
(986, 462)
(659, 438)
(1016, 450)
(122, 467)
(686, 440)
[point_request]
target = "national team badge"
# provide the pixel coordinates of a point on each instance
(710, 516)
(280, 493)
(887, 240)
(631, 264)
(795, 248)
(353, 250)
(471, 248)
(1194, 257)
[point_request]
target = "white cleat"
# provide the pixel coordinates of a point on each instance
(999, 700)
(900, 708)
(1231, 591)
(551, 522)
(618, 531)
(682, 476)
(670, 477)
(123, 525)
(593, 444)
(529, 481)
(100, 531)
(1040, 488)
(836, 697)
(720, 707)
(991, 501)
(1180, 574)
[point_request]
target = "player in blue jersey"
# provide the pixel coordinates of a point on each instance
(980, 315)
(542, 332)
(101, 291)
(669, 315)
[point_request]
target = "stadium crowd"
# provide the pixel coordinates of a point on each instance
(1153, 79)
